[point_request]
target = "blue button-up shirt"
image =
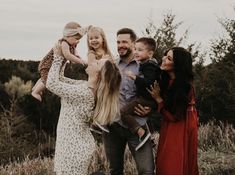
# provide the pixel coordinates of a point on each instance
(128, 88)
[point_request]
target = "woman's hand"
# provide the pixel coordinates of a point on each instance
(155, 92)
(142, 111)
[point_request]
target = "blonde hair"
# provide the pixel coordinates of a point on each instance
(72, 26)
(105, 43)
(107, 108)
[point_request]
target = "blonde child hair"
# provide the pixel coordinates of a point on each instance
(73, 29)
(91, 51)
(109, 78)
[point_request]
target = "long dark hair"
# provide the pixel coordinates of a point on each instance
(176, 96)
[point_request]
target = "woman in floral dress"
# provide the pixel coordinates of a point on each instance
(74, 142)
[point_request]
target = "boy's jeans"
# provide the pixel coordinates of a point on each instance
(115, 143)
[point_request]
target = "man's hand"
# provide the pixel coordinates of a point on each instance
(142, 111)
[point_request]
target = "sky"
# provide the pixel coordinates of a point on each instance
(29, 28)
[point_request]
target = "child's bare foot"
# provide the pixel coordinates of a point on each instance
(37, 96)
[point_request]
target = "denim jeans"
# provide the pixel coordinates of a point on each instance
(115, 143)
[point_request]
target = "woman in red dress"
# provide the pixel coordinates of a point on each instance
(178, 142)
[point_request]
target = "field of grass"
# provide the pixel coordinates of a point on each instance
(216, 156)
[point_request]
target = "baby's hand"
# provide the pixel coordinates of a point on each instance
(130, 74)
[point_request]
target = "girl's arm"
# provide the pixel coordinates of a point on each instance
(68, 55)
(55, 85)
(91, 57)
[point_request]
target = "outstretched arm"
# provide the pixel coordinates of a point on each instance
(55, 85)
(69, 56)
(66, 79)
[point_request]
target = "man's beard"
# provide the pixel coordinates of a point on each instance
(128, 52)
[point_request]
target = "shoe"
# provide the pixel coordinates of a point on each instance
(94, 128)
(143, 139)
(102, 127)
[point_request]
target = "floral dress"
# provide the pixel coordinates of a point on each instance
(74, 142)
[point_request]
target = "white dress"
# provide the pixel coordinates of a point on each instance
(74, 142)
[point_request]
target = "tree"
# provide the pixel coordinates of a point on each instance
(223, 48)
(217, 93)
(16, 88)
(165, 36)
(14, 128)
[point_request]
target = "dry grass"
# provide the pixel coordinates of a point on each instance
(29, 167)
(216, 156)
(216, 153)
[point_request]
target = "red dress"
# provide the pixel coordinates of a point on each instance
(178, 142)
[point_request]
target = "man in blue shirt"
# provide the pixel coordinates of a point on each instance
(119, 135)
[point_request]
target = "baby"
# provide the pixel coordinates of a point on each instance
(72, 33)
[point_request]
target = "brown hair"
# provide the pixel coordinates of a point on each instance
(149, 42)
(127, 31)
